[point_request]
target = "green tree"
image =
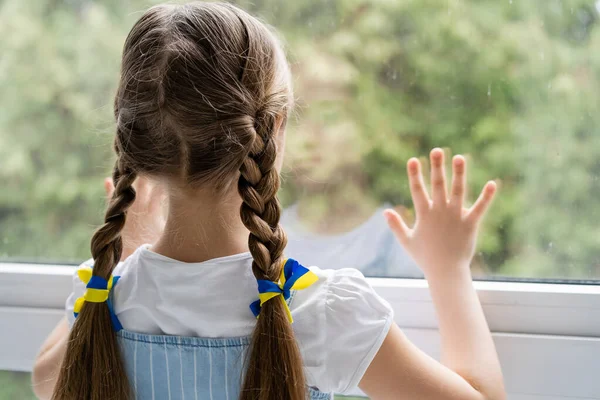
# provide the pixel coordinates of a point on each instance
(512, 84)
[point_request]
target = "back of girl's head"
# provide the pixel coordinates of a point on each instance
(204, 88)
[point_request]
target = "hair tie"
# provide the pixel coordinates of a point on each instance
(97, 291)
(293, 277)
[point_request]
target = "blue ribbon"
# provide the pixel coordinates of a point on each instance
(293, 277)
(116, 324)
(101, 288)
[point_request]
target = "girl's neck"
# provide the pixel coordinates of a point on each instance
(202, 227)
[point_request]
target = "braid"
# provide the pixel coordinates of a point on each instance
(260, 211)
(93, 362)
(107, 245)
(274, 370)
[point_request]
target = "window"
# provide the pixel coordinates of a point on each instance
(512, 84)
(15, 386)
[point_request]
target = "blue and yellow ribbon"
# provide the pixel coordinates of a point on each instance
(97, 291)
(293, 277)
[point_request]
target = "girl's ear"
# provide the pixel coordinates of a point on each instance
(281, 124)
(280, 140)
(109, 187)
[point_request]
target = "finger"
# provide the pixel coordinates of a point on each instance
(109, 187)
(477, 211)
(397, 225)
(417, 186)
(459, 181)
(438, 178)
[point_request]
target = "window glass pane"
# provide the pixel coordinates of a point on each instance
(15, 385)
(511, 84)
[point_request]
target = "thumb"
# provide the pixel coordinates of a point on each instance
(109, 187)
(397, 225)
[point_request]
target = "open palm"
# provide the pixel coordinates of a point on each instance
(445, 231)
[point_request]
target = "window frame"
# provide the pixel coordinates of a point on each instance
(547, 334)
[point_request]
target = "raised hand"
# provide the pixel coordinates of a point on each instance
(444, 236)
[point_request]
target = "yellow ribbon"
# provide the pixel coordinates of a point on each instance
(92, 295)
(293, 277)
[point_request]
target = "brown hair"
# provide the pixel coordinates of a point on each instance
(203, 88)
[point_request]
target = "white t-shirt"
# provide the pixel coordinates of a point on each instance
(339, 322)
(370, 248)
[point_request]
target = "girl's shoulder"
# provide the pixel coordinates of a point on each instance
(79, 286)
(340, 323)
(338, 289)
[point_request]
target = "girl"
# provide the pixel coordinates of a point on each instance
(201, 109)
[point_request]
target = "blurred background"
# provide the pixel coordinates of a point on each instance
(513, 84)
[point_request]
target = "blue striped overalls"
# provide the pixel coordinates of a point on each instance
(177, 368)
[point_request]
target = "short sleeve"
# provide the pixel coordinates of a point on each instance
(357, 320)
(78, 290)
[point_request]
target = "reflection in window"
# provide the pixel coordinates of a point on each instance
(513, 84)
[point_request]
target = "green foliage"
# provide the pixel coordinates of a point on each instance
(513, 84)
(15, 386)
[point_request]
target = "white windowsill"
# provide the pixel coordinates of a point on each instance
(547, 335)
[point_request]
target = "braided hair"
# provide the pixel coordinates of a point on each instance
(273, 347)
(204, 90)
(92, 337)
